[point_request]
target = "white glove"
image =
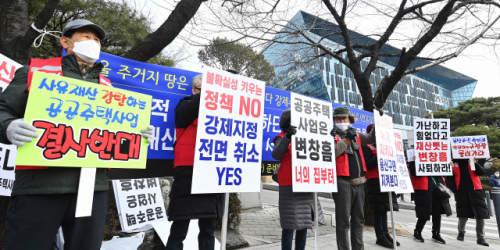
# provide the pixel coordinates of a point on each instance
(19, 132)
(148, 133)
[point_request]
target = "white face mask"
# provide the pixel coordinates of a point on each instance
(87, 50)
(342, 126)
(497, 175)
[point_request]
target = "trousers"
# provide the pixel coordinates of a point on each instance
(34, 220)
(436, 216)
(349, 201)
(287, 239)
(380, 224)
(479, 226)
(179, 230)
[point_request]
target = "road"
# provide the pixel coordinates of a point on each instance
(407, 218)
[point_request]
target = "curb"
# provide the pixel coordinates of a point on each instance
(402, 205)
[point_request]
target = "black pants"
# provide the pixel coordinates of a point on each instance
(34, 220)
(380, 224)
(436, 215)
(179, 229)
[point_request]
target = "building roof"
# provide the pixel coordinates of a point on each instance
(438, 74)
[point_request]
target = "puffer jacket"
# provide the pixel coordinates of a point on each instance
(55, 180)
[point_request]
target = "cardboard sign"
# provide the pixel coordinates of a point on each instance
(229, 139)
(405, 185)
(387, 168)
(432, 147)
(84, 124)
(313, 156)
(411, 154)
(139, 202)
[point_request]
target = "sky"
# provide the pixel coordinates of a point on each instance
(477, 61)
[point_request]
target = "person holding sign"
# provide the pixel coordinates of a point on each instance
(185, 206)
(296, 212)
(466, 186)
(44, 198)
(427, 203)
(379, 202)
(351, 170)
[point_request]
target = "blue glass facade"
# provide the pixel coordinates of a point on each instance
(326, 78)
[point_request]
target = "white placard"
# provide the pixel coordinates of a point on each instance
(387, 168)
(8, 153)
(8, 68)
(468, 147)
(228, 151)
(405, 185)
(139, 202)
(7, 168)
(313, 156)
(85, 196)
(411, 154)
(432, 147)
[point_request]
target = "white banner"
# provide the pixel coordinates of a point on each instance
(313, 156)
(139, 202)
(432, 147)
(229, 138)
(387, 168)
(468, 147)
(411, 155)
(405, 185)
(8, 68)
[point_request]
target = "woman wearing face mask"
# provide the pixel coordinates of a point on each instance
(469, 196)
(44, 198)
(296, 209)
(495, 180)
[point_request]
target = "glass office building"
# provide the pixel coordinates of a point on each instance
(299, 69)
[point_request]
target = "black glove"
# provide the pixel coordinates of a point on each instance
(292, 130)
(333, 132)
(351, 134)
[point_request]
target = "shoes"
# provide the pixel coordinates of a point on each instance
(418, 236)
(391, 240)
(461, 236)
(437, 238)
(384, 242)
(481, 241)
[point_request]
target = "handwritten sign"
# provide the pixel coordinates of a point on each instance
(313, 157)
(432, 147)
(84, 124)
(468, 147)
(229, 139)
(405, 185)
(387, 168)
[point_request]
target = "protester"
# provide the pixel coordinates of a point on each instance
(351, 170)
(427, 203)
(378, 201)
(296, 210)
(469, 198)
(44, 198)
(185, 206)
(495, 180)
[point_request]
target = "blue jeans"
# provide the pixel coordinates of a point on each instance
(380, 224)
(287, 239)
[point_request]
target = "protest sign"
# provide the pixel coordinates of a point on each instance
(84, 124)
(405, 185)
(432, 147)
(313, 157)
(470, 147)
(7, 168)
(229, 138)
(139, 202)
(410, 153)
(8, 68)
(387, 168)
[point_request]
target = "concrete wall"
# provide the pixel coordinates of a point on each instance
(251, 200)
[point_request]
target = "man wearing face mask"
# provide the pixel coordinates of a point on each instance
(44, 198)
(495, 180)
(351, 170)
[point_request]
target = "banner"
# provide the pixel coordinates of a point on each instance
(411, 154)
(387, 168)
(8, 68)
(84, 124)
(313, 157)
(470, 147)
(432, 147)
(405, 185)
(229, 139)
(139, 202)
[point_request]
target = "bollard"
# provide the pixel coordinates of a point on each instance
(495, 193)
(488, 201)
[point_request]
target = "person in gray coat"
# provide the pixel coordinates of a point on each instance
(296, 209)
